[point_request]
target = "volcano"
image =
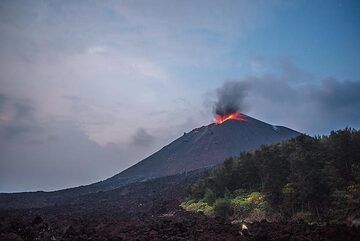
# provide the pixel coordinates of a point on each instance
(203, 147)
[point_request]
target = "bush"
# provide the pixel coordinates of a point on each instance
(222, 208)
(240, 205)
(209, 197)
(255, 198)
(341, 205)
(244, 204)
(197, 206)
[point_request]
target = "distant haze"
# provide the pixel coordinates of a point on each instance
(86, 90)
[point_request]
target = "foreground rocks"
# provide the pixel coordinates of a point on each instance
(148, 211)
(178, 226)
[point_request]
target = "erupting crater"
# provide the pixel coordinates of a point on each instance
(233, 116)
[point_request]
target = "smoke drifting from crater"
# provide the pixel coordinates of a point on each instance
(230, 98)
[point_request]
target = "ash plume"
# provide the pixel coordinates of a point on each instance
(230, 98)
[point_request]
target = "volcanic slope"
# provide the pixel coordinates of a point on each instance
(204, 147)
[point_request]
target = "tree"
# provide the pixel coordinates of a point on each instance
(209, 197)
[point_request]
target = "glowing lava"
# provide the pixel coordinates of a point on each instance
(232, 116)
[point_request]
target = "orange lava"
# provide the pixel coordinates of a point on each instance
(232, 116)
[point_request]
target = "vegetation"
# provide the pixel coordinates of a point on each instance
(313, 179)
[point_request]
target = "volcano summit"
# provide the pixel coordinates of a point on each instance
(204, 147)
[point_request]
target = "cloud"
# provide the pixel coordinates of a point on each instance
(142, 138)
(16, 117)
(97, 49)
(3, 99)
(137, 53)
(334, 95)
(51, 154)
(56, 153)
(313, 107)
(60, 156)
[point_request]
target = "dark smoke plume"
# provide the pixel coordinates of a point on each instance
(230, 97)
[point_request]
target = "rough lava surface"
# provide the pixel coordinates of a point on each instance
(148, 211)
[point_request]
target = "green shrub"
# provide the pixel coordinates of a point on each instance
(341, 205)
(240, 205)
(244, 204)
(197, 206)
(255, 198)
(209, 197)
(222, 208)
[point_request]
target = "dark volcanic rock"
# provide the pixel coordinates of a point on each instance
(204, 147)
(149, 211)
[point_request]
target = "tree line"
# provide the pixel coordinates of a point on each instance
(317, 176)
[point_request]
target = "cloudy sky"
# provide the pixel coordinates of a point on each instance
(88, 88)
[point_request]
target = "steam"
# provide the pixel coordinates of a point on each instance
(230, 98)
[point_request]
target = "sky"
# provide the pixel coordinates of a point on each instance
(89, 88)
